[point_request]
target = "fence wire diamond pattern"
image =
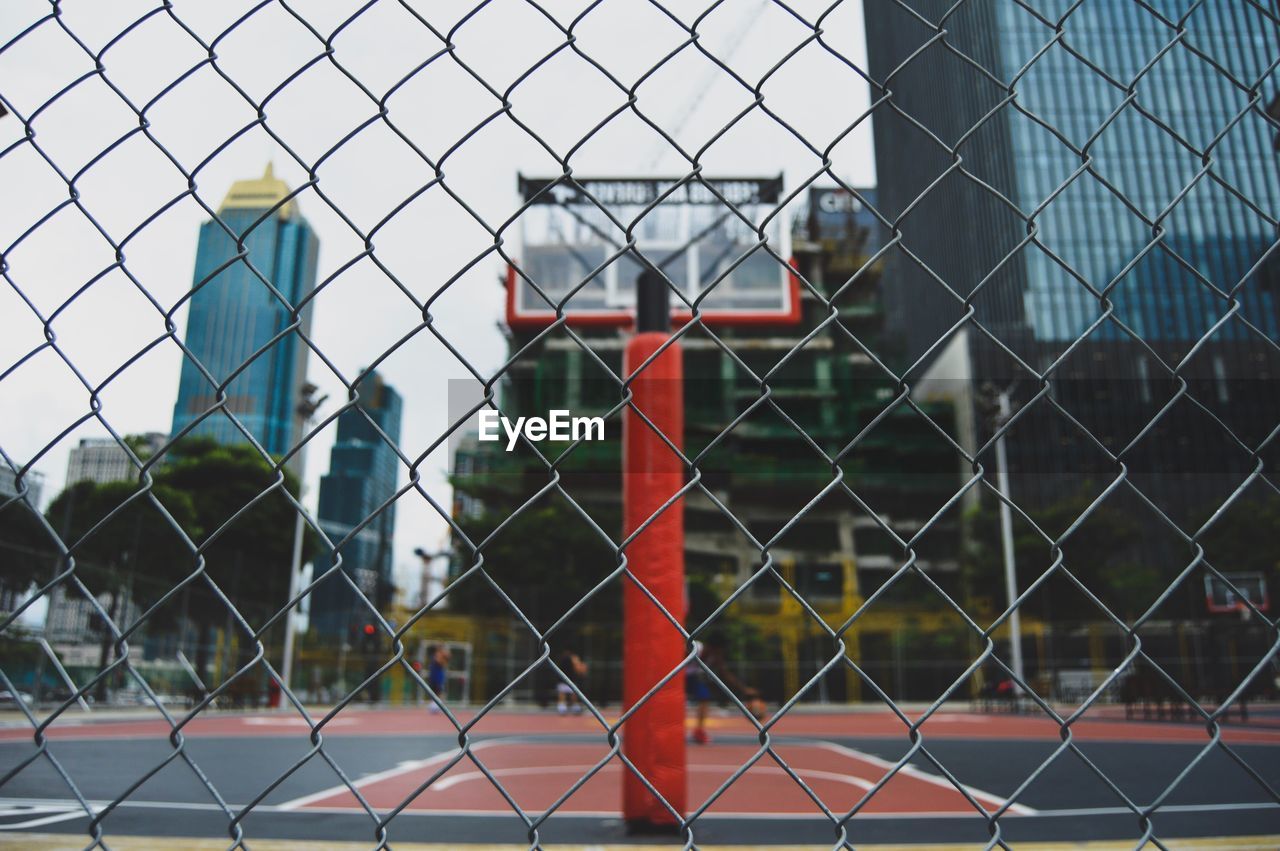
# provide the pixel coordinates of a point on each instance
(364, 105)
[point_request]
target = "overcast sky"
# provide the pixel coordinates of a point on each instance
(361, 313)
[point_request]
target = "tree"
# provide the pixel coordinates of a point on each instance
(118, 544)
(546, 559)
(248, 556)
(140, 554)
(1101, 554)
(132, 538)
(1242, 540)
(25, 547)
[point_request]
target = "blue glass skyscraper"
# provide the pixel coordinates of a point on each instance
(1039, 169)
(234, 314)
(1132, 155)
(1164, 166)
(363, 468)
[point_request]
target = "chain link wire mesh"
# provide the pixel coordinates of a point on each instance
(368, 106)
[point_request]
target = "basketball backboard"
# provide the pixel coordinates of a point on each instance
(1222, 597)
(700, 242)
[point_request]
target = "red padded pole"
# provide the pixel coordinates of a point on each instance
(654, 737)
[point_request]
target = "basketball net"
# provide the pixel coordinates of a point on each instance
(1246, 613)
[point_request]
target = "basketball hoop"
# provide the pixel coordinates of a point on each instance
(1236, 592)
(702, 235)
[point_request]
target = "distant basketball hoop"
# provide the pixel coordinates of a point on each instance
(709, 250)
(1235, 592)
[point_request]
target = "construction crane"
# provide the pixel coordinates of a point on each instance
(699, 93)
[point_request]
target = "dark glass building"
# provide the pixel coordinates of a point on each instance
(234, 314)
(1117, 186)
(362, 476)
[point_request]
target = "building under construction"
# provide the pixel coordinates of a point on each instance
(827, 435)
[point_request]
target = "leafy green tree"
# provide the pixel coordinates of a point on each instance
(1242, 540)
(545, 559)
(113, 537)
(246, 554)
(1102, 554)
(218, 497)
(25, 547)
(118, 545)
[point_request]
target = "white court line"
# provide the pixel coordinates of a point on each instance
(453, 780)
(911, 771)
(293, 721)
(402, 768)
(59, 811)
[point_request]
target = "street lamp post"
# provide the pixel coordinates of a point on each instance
(306, 410)
(295, 579)
(1006, 541)
(424, 593)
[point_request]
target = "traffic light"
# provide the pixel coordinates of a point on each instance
(369, 635)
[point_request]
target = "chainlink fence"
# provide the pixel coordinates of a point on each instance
(1069, 261)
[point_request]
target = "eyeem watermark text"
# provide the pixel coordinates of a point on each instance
(558, 425)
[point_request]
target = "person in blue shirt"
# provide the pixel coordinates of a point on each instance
(437, 671)
(698, 685)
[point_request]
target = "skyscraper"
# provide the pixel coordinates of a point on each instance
(1138, 169)
(234, 313)
(363, 468)
(1122, 161)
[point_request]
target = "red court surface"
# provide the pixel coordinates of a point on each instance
(825, 724)
(537, 774)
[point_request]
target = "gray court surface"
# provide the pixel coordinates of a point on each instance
(1067, 801)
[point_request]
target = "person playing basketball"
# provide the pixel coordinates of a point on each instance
(576, 670)
(437, 671)
(711, 654)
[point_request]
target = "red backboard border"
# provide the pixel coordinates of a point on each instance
(1262, 605)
